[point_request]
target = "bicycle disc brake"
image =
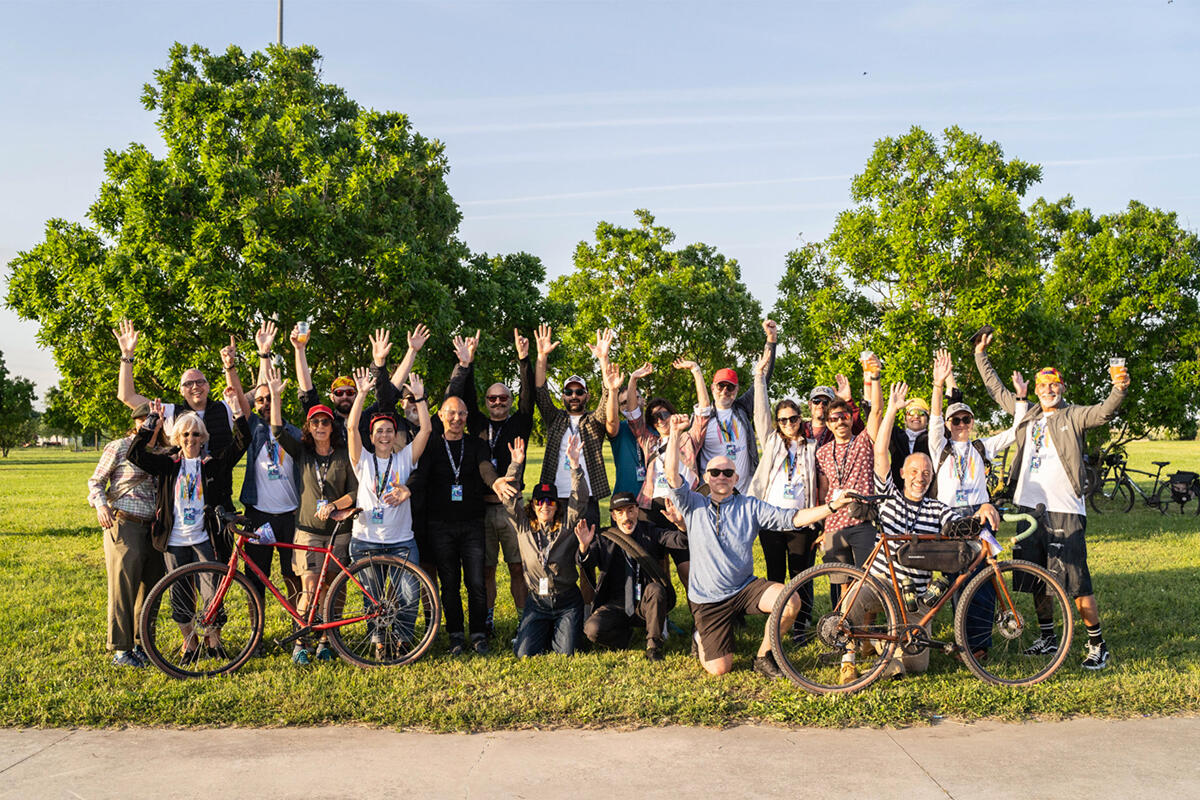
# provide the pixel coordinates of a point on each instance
(1009, 624)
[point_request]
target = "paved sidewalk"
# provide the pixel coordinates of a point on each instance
(1082, 758)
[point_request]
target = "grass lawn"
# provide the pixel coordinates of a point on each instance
(1146, 569)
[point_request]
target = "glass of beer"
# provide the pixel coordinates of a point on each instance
(1116, 368)
(302, 331)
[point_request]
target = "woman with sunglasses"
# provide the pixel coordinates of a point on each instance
(328, 487)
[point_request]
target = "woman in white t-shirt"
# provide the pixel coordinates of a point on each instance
(384, 528)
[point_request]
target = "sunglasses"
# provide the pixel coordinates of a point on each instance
(345, 392)
(792, 420)
(543, 501)
(191, 435)
(819, 401)
(662, 416)
(726, 473)
(915, 414)
(574, 392)
(320, 422)
(196, 384)
(726, 386)
(497, 398)
(960, 420)
(839, 417)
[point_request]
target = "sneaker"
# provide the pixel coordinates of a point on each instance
(300, 657)
(1097, 656)
(140, 654)
(324, 653)
(126, 658)
(217, 652)
(457, 644)
(766, 666)
(894, 669)
(189, 657)
(654, 653)
(1042, 646)
(479, 642)
(849, 673)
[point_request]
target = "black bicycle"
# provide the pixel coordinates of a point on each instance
(1115, 490)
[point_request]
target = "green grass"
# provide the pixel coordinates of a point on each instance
(54, 672)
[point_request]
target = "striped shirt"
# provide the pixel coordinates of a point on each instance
(119, 484)
(899, 516)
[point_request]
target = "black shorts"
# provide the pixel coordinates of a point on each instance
(1060, 547)
(714, 621)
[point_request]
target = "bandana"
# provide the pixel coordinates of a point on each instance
(340, 381)
(1048, 375)
(917, 404)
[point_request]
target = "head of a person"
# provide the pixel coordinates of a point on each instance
(342, 393)
(499, 401)
(724, 387)
(787, 419)
(658, 415)
(624, 511)
(840, 419)
(575, 395)
(545, 505)
(194, 388)
(411, 411)
(189, 434)
(917, 473)
(958, 420)
(721, 475)
(916, 415)
(453, 414)
(621, 398)
(818, 403)
(1049, 388)
(319, 429)
(139, 415)
(383, 433)
(261, 395)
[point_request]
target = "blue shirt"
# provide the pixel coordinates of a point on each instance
(721, 540)
(627, 458)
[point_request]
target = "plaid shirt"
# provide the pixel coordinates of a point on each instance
(132, 488)
(591, 433)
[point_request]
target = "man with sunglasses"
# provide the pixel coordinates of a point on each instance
(1048, 470)
(727, 427)
(815, 429)
(499, 428)
(721, 530)
(915, 438)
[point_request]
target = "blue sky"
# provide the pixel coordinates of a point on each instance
(736, 124)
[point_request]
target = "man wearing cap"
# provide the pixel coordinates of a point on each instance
(815, 428)
(914, 440)
(1048, 469)
(727, 427)
(125, 502)
(631, 589)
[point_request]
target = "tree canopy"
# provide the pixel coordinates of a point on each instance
(17, 417)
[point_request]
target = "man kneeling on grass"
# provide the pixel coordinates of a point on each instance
(721, 531)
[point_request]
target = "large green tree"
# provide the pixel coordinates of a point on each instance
(17, 417)
(278, 196)
(663, 303)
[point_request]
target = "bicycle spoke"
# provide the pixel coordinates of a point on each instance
(389, 593)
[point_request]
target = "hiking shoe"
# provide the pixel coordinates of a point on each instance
(849, 673)
(766, 666)
(1042, 646)
(140, 654)
(654, 653)
(479, 642)
(894, 669)
(217, 652)
(189, 657)
(457, 644)
(324, 653)
(1097, 656)
(300, 657)
(126, 658)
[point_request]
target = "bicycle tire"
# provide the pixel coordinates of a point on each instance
(184, 591)
(814, 663)
(1013, 629)
(394, 623)
(1112, 496)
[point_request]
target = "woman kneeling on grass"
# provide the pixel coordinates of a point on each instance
(384, 528)
(328, 487)
(184, 526)
(554, 611)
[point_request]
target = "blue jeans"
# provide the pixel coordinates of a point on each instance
(403, 586)
(556, 625)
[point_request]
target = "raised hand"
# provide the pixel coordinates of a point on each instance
(613, 377)
(363, 380)
(274, 381)
(156, 407)
(682, 363)
(760, 368)
(642, 371)
(604, 340)
(517, 450)
(585, 534)
(898, 396)
(771, 330)
(522, 345)
(981, 344)
(680, 423)
(127, 337)
(464, 348)
(575, 450)
(299, 342)
(673, 514)
(264, 340)
(417, 337)
(230, 395)
(229, 354)
(1019, 385)
(545, 342)
(504, 488)
(942, 367)
(416, 385)
(381, 345)
(843, 387)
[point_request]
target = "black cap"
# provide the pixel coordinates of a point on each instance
(141, 411)
(622, 500)
(545, 491)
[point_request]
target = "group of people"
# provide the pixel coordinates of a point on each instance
(447, 490)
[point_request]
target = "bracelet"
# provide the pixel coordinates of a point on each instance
(418, 400)
(127, 359)
(267, 354)
(830, 507)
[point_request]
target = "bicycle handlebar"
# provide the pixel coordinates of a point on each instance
(1032, 519)
(236, 523)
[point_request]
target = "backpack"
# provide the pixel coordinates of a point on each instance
(979, 448)
(1184, 486)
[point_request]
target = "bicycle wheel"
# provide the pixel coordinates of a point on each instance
(999, 629)
(1112, 496)
(174, 633)
(393, 610)
(814, 660)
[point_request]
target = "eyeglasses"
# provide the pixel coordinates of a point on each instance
(497, 398)
(725, 386)
(194, 384)
(191, 435)
(345, 391)
(726, 473)
(960, 420)
(819, 401)
(319, 422)
(792, 420)
(839, 417)
(574, 392)
(662, 416)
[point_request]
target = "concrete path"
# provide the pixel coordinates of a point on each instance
(1066, 760)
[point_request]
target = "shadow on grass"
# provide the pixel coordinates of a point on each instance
(92, 530)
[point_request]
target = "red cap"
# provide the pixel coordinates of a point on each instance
(727, 375)
(320, 409)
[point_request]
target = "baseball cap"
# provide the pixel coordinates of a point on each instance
(545, 491)
(956, 408)
(320, 409)
(575, 379)
(1049, 375)
(141, 411)
(622, 500)
(822, 391)
(917, 404)
(727, 375)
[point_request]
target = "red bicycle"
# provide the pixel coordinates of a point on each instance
(206, 618)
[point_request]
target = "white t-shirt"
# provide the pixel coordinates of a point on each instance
(724, 436)
(274, 482)
(188, 526)
(788, 490)
(661, 489)
(562, 474)
(962, 478)
(1043, 479)
(380, 523)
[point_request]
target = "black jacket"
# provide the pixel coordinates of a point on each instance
(615, 580)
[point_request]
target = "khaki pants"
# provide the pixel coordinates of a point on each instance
(133, 567)
(867, 604)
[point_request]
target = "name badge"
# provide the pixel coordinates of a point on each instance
(789, 491)
(960, 497)
(660, 481)
(637, 592)
(456, 493)
(377, 515)
(321, 504)
(731, 449)
(641, 474)
(273, 472)
(1035, 463)
(566, 462)
(543, 585)
(494, 464)
(189, 516)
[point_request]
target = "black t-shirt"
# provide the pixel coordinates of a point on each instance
(467, 453)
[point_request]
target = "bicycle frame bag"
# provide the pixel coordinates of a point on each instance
(1184, 486)
(938, 555)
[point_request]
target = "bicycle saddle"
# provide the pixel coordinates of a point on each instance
(1160, 463)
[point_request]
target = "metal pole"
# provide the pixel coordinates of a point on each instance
(279, 23)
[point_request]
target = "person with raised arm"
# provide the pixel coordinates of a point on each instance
(721, 531)
(327, 490)
(385, 526)
(1048, 469)
(629, 463)
(815, 428)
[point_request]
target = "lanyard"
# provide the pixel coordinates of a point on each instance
(714, 517)
(544, 550)
(911, 520)
(494, 436)
(790, 459)
(190, 482)
(381, 480)
(321, 469)
(960, 464)
(272, 450)
(462, 452)
(840, 468)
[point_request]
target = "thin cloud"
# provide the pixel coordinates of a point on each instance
(661, 188)
(1084, 162)
(724, 209)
